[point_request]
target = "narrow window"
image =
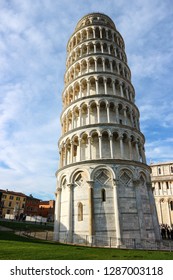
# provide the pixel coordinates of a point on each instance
(80, 212)
(159, 185)
(159, 170)
(171, 169)
(103, 193)
(167, 185)
(171, 204)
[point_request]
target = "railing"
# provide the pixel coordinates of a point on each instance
(100, 241)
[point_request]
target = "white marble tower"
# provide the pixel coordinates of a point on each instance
(103, 182)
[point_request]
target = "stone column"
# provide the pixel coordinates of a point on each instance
(130, 149)
(137, 150)
(65, 154)
(161, 214)
(103, 64)
(111, 146)
(89, 146)
(121, 147)
(118, 69)
(127, 94)
(111, 66)
(108, 113)
(79, 150)
(95, 62)
(98, 113)
(97, 88)
(125, 116)
(70, 212)
(80, 116)
(143, 154)
(72, 151)
(168, 210)
(101, 47)
(80, 90)
(89, 121)
(121, 90)
(72, 120)
(117, 113)
(113, 86)
(91, 211)
(116, 213)
(57, 214)
(105, 85)
(100, 146)
(88, 88)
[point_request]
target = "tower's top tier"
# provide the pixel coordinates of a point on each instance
(95, 18)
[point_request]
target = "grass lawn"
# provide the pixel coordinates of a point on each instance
(26, 225)
(13, 247)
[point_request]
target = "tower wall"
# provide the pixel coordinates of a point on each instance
(103, 182)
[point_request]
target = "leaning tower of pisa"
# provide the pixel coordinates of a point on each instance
(103, 182)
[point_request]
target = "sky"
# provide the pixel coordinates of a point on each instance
(33, 39)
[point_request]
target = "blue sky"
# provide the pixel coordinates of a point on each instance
(33, 38)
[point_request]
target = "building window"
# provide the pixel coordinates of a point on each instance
(11, 197)
(171, 169)
(159, 185)
(17, 198)
(103, 193)
(159, 170)
(8, 211)
(80, 212)
(171, 205)
(9, 205)
(167, 185)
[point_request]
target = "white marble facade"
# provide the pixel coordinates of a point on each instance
(162, 186)
(103, 182)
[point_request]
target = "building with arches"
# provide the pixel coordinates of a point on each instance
(103, 181)
(162, 185)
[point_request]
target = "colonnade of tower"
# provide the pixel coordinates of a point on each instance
(101, 141)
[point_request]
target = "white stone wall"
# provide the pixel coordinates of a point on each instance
(134, 205)
(162, 184)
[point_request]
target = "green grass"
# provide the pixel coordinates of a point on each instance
(26, 226)
(14, 247)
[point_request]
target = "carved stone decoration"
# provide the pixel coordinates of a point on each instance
(126, 178)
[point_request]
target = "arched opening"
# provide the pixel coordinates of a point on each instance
(92, 86)
(103, 112)
(93, 113)
(99, 65)
(91, 65)
(84, 147)
(98, 48)
(105, 145)
(95, 146)
(84, 114)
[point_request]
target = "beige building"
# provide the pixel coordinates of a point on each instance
(103, 182)
(162, 185)
(12, 203)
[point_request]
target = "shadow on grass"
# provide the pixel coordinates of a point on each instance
(11, 236)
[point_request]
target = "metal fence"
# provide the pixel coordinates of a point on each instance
(100, 241)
